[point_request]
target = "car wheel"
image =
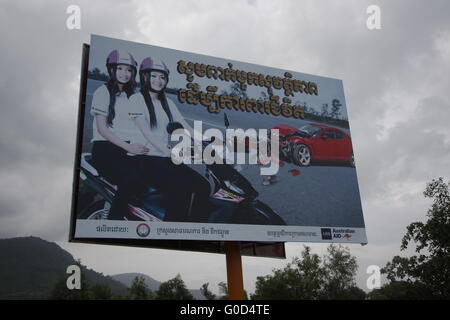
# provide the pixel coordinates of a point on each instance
(302, 155)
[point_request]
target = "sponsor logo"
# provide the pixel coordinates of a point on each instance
(343, 233)
(326, 234)
(143, 230)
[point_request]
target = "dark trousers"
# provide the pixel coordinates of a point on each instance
(179, 183)
(113, 163)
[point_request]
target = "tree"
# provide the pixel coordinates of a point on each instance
(236, 91)
(174, 289)
(305, 107)
(325, 112)
(206, 293)
(96, 74)
(223, 290)
(61, 292)
(399, 290)
(301, 279)
(100, 292)
(340, 269)
(139, 289)
(430, 268)
(312, 278)
(335, 109)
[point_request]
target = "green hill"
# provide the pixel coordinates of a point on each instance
(30, 267)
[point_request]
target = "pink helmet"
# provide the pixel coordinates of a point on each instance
(150, 64)
(120, 57)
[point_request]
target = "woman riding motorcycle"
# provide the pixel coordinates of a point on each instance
(111, 130)
(152, 111)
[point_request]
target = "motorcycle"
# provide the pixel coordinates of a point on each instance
(232, 198)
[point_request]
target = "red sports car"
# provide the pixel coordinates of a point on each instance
(314, 142)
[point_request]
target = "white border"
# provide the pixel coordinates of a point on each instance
(215, 232)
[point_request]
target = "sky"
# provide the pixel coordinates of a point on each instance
(396, 82)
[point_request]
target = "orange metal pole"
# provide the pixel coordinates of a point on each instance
(234, 270)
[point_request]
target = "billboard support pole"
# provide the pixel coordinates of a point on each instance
(234, 270)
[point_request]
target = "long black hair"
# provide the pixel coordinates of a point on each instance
(113, 88)
(145, 88)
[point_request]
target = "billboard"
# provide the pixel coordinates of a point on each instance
(176, 146)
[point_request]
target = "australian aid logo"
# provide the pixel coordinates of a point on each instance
(343, 233)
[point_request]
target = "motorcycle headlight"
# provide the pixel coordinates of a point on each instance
(234, 188)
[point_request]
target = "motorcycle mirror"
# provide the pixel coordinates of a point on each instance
(225, 119)
(172, 126)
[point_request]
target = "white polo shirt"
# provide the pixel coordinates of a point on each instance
(122, 125)
(138, 108)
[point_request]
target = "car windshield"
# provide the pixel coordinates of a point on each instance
(311, 130)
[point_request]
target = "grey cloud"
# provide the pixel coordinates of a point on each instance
(40, 62)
